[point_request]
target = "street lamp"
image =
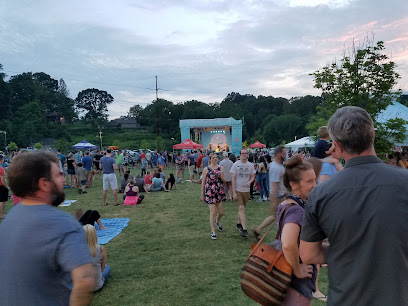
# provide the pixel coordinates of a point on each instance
(100, 138)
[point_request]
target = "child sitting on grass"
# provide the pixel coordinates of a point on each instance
(98, 254)
(82, 179)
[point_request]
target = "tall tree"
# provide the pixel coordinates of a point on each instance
(135, 111)
(95, 102)
(364, 77)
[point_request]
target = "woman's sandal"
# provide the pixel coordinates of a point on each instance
(322, 298)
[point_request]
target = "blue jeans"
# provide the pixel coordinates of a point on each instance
(106, 273)
(263, 185)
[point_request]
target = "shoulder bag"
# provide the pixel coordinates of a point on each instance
(266, 275)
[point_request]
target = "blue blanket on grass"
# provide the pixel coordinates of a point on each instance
(115, 225)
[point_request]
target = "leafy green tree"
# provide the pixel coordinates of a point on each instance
(94, 102)
(38, 146)
(145, 144)
(62, 143)
(258, 136)
(135, 112)
(12, 146)
(282, 128)
(159, 143)
(364, 77)
(28, 124)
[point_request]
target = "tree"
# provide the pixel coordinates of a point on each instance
(135, 112)
(38, 146)
(62, 144)
(145, 144)
(28, 124)
(94, 102)
(282, 128)
(12, 146)
(364, 77)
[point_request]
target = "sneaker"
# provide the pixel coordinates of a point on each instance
(265, 198)
(244, 233)
(239, 227)
(259, 200)
(251, 198)
(219, 225)
(213, 235)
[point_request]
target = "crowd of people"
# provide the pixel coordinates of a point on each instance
(352, 219)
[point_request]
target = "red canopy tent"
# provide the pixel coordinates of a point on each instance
(188, 145)
(257, 144)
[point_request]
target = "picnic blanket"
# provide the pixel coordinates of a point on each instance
(116, 225)
(67, 203)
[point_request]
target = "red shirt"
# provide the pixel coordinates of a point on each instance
(143, 155)
(199, 159)
(148, 179)
(2, 173)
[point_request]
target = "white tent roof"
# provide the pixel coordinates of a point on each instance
(395, 110)
(301, 143)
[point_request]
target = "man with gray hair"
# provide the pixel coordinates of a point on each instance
(363, 212)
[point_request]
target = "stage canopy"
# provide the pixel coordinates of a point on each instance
(85, 145)
(305, 142)
(188, 145)
(257, 144)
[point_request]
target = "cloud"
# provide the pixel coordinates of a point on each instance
(199, 50)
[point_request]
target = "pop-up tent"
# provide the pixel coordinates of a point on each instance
(257, 144)
(188, 145)
(84, 145)
(305, 142)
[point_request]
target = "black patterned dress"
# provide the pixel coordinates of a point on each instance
(214, 191)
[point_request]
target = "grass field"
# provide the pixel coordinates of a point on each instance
(166, 257)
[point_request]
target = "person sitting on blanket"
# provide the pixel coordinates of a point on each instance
(89, 217)
(98, 254)
(132, 196)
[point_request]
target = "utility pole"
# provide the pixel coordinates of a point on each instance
(157, 110)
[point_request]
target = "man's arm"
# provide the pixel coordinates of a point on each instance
(274, 200)
(84, 282)
(233, 183)
(3, 181)
(313, 252)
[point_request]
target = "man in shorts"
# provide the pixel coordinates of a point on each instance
(108, 165)
(3, 188)
(243, 174)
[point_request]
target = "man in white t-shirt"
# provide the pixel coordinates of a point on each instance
(276, 187)
(243, 174)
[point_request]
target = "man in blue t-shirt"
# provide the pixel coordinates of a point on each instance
(108, 166)
(43, 252)
(87, 160)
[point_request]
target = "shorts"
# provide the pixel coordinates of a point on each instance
(125, 164)
(242, 198)
(3, 194)
(179, 167)
(71, 171)
(120, 166)
(191, 169)
(96, 164)
(110, 180)
(84, 183)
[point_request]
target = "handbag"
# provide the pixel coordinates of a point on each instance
(266, 275)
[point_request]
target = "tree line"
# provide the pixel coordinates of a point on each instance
(36, 106)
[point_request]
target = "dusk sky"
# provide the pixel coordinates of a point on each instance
(199, 49)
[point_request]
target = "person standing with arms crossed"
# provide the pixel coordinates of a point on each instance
(108, 166)
(243, 174)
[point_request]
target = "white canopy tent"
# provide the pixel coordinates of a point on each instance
(305, 142)
(395, 110)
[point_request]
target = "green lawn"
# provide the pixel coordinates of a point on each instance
(166, 257)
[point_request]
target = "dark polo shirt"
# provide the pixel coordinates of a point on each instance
(363, 210)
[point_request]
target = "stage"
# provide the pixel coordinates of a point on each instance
(219, 134)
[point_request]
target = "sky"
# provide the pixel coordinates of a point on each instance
(198, 49)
